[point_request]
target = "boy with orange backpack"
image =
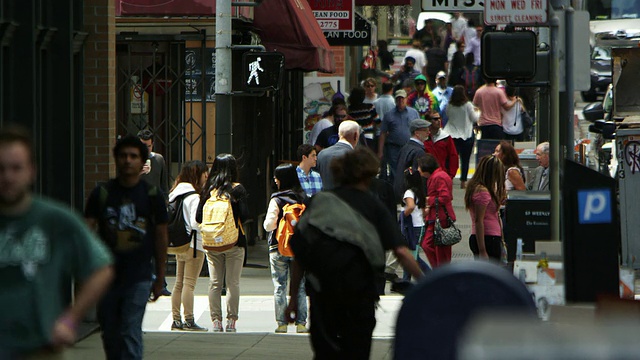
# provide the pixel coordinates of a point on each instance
(285, 207)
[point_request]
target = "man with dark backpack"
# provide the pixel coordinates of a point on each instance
(339, 244)
(131, 218)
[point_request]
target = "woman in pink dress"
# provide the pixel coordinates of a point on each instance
(485, 192)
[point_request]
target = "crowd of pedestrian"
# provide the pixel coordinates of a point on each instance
(334, 232)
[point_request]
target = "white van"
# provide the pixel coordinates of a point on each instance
(612, 16)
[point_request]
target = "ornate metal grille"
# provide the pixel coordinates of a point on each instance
(157, 90)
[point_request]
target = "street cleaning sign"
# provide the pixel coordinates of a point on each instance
(334, 15)
(516, 12)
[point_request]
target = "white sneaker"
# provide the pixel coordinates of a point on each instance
(217, 326)
(231, 325)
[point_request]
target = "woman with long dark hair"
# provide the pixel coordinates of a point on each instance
(485, 192)
(289, 192)
(189, 183)
(462, 117)
(514, 177)
(223, 182)
(414, 208)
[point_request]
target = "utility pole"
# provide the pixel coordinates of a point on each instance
(555, 145)
(223, 135)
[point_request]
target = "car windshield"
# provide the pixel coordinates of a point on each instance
(613, 9)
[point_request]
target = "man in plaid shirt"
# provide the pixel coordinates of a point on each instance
(309, 179)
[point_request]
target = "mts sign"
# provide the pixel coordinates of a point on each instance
(453, 5)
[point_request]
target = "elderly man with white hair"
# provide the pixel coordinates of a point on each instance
(349, 132)
(540, 179)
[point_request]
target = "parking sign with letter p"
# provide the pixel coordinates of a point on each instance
(594, 206)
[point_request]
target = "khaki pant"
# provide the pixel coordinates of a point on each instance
(187, 271)
(225, 266)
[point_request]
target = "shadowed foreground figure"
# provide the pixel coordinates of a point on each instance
(340, 242)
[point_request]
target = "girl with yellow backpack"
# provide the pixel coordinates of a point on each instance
(221, 211)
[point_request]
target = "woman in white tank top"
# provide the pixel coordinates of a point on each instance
(514, 179)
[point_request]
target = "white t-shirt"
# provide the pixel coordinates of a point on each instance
(416, 214)
(317, 128)
(511, 120)
(421, 59)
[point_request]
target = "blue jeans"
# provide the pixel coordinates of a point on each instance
(120, 314)
(391, 155)
(280, 266)
(464, 148)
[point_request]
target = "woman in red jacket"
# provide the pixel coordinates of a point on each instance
(440, 187)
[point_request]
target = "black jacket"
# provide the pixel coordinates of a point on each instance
(409, 155)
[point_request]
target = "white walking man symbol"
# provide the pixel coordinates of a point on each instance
(254, 66)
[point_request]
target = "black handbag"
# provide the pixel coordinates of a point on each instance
(527, 120)
(445, 236)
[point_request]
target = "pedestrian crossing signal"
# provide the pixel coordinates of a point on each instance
(262, 70)
(509, 55)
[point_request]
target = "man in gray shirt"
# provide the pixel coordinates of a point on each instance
(394, 133)
(349, 132)
(540, 179)
(154, 171)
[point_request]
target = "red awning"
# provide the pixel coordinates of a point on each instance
(290, 27)
(176, 8)
(167, 7)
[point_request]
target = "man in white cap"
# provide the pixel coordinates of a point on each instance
(394, 133)
(442, 92)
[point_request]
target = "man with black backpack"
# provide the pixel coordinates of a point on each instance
(339, 244)
(131, 218)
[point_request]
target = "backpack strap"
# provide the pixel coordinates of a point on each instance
(152, 194)
(103, 196)
(185, 195)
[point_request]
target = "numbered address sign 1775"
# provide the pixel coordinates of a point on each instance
(262, 70)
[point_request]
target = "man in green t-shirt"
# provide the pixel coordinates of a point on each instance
(44, 247)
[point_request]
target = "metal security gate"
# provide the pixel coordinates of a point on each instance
(157, 86)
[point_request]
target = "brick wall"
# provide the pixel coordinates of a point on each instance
(99, 90)
(339, 55)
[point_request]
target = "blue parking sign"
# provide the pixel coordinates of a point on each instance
(594, 206)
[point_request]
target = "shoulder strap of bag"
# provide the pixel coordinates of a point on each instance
(449, 219)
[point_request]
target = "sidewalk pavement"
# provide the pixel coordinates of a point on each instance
(255, 337)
